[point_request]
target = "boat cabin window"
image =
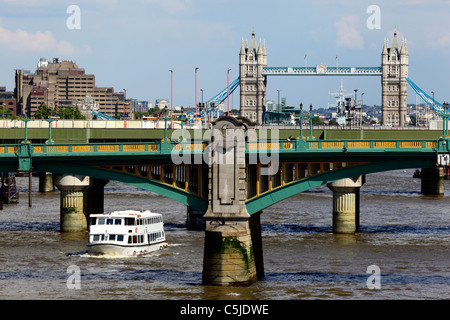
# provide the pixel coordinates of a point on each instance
(129, 222)
(136, 239)
(101, 221)
(117, 222)
(111, 237)
(109, 221)
(154, 236)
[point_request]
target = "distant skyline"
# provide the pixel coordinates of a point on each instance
(133, 44)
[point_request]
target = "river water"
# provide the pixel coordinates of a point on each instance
(404, 234)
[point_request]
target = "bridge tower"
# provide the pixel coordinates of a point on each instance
(394, 65)
(252, 59)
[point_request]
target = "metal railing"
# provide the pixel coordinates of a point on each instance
(251, 146)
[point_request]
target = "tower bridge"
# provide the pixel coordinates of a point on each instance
(254, 71)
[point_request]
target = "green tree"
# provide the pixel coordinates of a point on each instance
(42, 112)
(140, 114)
(5, 113)
(316, 121)
(70, 112)
(332, 122)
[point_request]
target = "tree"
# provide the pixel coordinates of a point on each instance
(140, 114)
(70, 112)
(332, 122)
(42, 112)
(317, 121)
(6, 113)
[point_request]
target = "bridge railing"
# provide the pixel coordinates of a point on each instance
(72, 148)
(296, 145)
(192, 146)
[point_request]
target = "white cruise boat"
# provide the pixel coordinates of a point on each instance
(126, 233)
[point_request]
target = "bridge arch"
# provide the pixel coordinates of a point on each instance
(283, 192)
(177, 194)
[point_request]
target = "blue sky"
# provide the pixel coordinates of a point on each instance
(133, 44)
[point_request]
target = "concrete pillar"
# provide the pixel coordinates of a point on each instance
(46, 182)
(432, 181)
(73, 203)
(80, 196)
(96, 195)
(230, 254)
(255, 231)
(194, 219)
(346, 204)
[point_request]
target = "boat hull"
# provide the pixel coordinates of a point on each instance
(117, 250)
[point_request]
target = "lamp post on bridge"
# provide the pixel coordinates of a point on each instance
(432, 92)
(182, 119)
(310, 116)
(171, 94)
(228, 91)
(165, 124)
(26, 120)
(49, 120)
(196, 68)
(445, 117)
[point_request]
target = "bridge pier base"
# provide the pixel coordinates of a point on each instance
(194, 219)
(80, 196)
(346, 204)
(233, 252)
(432, 181)
(46, 182)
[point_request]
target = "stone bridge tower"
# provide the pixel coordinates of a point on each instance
(252, 59)
(394, 65)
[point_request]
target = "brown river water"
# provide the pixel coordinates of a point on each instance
(404, 234)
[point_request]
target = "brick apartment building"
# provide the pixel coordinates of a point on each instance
(7, 100)
(58, 84)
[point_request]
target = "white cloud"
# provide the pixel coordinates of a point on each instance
(348, 34)
(21, 40)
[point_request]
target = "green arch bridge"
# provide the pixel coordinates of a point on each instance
(300, 165)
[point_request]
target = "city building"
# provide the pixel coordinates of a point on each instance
(140, 106)
(7, 100)
(161, 104)
(394, 64)
(59, 84)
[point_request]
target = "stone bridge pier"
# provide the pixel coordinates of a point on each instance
(233, 245)
(346, 204)
(432, 181)
(80, 196)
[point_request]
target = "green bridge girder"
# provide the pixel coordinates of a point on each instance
(84, 159)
